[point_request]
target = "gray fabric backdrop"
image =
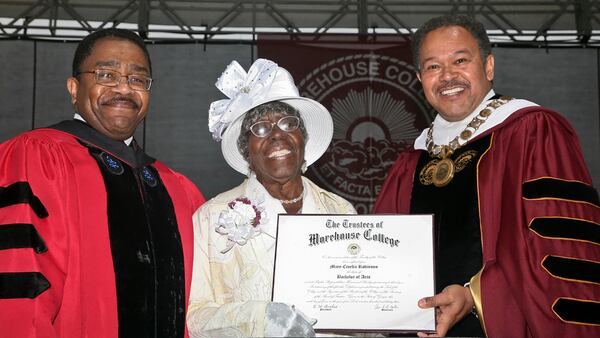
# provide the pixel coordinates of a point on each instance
(33, 94)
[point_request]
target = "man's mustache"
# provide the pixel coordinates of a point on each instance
(452, 83)
(121, 99)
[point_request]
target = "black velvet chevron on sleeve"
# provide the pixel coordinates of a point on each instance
(20, 192)
(549, 187)
(578, 311)
(21, 235)
(576, 270)
(566, 228)
(22, 284)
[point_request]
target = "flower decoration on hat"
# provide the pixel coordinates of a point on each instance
(242, 89)
(241, 221)
(264, 82)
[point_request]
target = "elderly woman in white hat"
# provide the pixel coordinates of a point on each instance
(270, 134)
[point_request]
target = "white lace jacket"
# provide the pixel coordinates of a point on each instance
(230, 291)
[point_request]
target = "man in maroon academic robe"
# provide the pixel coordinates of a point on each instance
(95, 236)
(517, 220)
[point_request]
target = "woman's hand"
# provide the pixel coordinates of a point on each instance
(283, 320)
(451, 305)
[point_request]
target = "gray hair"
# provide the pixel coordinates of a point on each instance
(256, 113)
(471, 25)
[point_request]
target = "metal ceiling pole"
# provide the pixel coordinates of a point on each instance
(53, 17)
(563, 22)
(114, 18)
(75, 15)
(235, 10)
(395, 22)
(335, 17)
(40, 7)
(583, 20)
(543, 31)
(143, 18)
(252, 58)
(280, 18)
(176, 19)
(363, 17)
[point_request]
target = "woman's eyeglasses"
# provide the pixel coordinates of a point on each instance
(264, 128)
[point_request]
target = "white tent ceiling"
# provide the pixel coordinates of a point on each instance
(564, 22)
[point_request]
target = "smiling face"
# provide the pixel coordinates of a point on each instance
(278, 157)
(454, 77)
(113, 111)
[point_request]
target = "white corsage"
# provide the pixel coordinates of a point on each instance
(241, 221)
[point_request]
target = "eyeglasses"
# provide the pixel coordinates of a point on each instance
(264, 128)
(112, 78)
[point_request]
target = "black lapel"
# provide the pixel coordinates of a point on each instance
(133, 156)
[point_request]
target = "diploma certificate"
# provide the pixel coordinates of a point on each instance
(357, 272)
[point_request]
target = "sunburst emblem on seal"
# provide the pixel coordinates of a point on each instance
(378, 109)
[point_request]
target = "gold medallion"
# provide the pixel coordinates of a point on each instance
(435, 171)
(427, 172)
(466, 134)
(443, 172)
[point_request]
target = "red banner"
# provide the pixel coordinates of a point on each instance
(375, 99)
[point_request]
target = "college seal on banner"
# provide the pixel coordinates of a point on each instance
(378, 109)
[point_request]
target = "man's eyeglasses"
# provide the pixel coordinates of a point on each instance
(112, 78)
(264, 128)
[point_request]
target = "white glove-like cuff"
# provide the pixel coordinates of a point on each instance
(283, 320)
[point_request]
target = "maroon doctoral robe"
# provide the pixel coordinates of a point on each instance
(531, 197)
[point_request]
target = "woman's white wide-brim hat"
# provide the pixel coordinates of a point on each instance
(264, 82)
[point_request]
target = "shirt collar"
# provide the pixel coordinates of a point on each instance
(80, 118)
(446, 131)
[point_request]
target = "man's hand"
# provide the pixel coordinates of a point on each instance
(451, 305)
